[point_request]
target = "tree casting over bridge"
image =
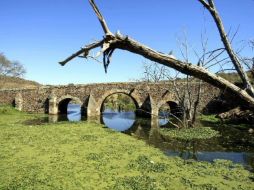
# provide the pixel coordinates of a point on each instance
(111, 42)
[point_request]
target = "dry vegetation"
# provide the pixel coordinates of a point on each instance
(7, 82)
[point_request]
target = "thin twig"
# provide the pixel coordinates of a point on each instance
(84, 50)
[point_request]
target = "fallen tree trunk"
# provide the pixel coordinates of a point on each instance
(236, 116)
(128, 44)
(118, 41)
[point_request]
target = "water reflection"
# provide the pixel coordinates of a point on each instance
(73, 112)
(234, 145)
(164, 118)
(119, 121)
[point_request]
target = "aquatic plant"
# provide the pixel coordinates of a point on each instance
(190, 133)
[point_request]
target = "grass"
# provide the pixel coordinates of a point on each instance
(212, 119)
(88, 156)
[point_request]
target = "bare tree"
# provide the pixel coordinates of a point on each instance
(248, 62)
(154, 72)
(191, 88)
(11, 68)
(210, 6)
(111, 42)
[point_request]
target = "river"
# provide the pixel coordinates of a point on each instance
(233, 144)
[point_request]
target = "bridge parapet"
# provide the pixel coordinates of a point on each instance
(147, 96)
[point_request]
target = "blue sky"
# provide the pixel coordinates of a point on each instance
(39, 33)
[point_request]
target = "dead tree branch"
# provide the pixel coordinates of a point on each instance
(85, 51)
(118, 41)
(101, 18)
(210, 6)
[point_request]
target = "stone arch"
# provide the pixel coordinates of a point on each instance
(108, 93)
(111, 92)
(173, 105)
(62, 103)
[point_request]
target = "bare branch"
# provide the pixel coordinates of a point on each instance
(101, 19)
(205, 4)
(211, 3)
(92, 57)
(85, 50)
(221, 71)
(234, 35)
(217, 62)
(224, 38)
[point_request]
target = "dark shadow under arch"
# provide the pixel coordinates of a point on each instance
(64, 101)
(63, 105)
(175, 109)
(146, 108)
(46, 106)
(13, 103)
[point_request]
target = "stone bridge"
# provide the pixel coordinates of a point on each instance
(148, 97)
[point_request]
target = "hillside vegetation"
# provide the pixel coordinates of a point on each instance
(234, 77)
(7, 82)
(231, 77)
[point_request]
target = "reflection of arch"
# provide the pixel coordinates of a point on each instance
(133, 96)
(119, 122)
(63, 102)
(140, 128)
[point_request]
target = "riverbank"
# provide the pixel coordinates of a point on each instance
(87, 155)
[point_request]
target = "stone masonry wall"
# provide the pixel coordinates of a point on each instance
(37, 99)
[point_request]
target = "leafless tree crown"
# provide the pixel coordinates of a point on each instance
(11, 68)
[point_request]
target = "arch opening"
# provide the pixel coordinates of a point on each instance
(168, 111)
(63, 105)
(70, 108)
(118, 111)
(119, 102)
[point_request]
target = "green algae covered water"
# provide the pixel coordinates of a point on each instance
(236, 145)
